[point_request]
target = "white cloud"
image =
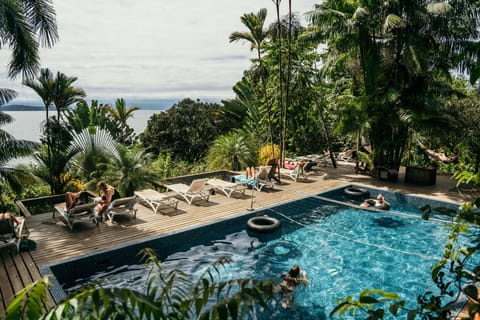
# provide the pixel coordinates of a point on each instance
(150, 48)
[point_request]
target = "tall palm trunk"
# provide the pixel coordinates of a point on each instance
(267, 104)
(280, 84)
(287, 85)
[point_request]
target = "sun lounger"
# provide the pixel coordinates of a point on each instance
(196, 190)
(261, 179)
(79, 213)
(227, 187)
(155, 200)
(296, 174)
(11, 235)
(123, 206)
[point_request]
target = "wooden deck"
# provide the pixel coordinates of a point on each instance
(56, 243)
(17, 271)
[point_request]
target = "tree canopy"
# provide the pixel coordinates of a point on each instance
(186, 130)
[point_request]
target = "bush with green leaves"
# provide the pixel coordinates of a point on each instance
(235, 150)
(186, 130)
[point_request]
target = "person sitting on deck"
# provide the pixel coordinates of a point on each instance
(107, 194)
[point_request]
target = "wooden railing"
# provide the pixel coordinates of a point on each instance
(49, 202)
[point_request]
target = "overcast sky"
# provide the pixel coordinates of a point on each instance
(150, 48)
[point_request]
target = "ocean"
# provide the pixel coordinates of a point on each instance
(28, 123)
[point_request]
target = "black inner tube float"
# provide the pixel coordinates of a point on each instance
(356, 192)
(263, 224)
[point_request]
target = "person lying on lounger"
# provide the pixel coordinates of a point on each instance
(251, 173)
(6, 215)
(72, 199)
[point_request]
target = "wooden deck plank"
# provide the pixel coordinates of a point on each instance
(30, 273)
(56, 243)
(14, 276)
(6, 290)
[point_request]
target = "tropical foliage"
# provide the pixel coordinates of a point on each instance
(25, 25)
(233, 151)
(12, 178)
(397, 58)
(186, 130)
(383, 73)
(168, 295)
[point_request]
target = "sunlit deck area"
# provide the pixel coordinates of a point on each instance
(55, 242)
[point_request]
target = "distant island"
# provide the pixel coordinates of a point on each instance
(145, 104)
(22, 107)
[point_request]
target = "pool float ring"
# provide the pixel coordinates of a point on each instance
(356, 192)
(263, 224)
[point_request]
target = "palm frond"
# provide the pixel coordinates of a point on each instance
(6, 95)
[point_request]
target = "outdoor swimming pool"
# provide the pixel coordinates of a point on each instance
(343, 250)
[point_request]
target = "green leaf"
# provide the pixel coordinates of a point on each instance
(391, 296)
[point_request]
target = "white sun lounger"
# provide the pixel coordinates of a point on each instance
(261, 179)
(295, 174)
(155, 200)
(11, 235)
(124, 206)
(79, 213)
(196, 190)
(227, 187)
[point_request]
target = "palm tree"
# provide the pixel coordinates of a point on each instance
(128, 170)
(44, 87)
(54, 171)
(12, 149)
(65, 94)
(243, 109)
(233, 151)
(121, 114)
(394, 56)
(95, 149)
(59, 92)
(21, 22)
(257, 36)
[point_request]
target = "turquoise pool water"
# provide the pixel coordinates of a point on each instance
(343, 250)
